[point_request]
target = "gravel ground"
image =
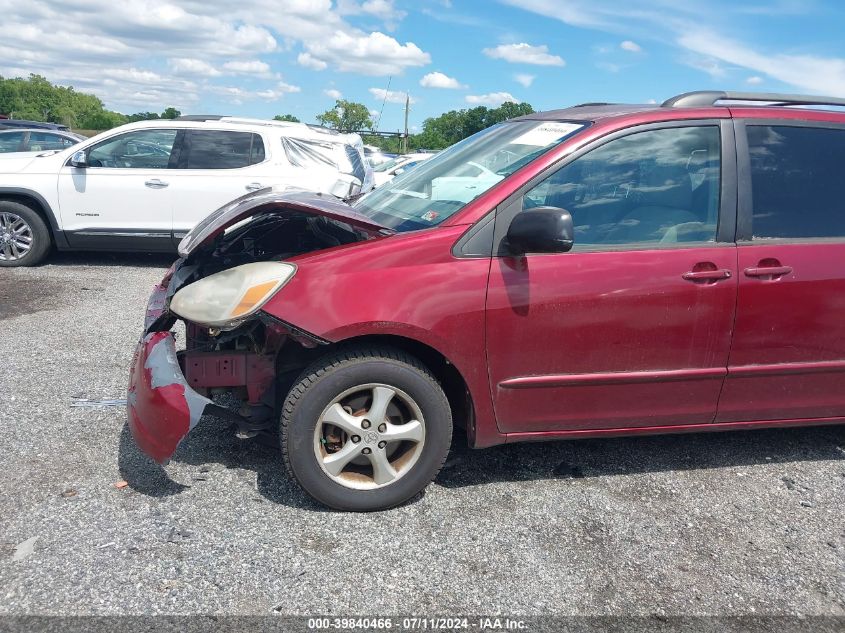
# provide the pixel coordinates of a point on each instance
(734, 523)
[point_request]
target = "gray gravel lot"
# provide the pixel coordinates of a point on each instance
(733, 523)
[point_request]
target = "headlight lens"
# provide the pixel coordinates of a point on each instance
(228, 297)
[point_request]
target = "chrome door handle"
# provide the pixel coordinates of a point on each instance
(155, 183)
(254, 186)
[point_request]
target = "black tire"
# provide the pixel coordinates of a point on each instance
(41, 242)
(330, 376)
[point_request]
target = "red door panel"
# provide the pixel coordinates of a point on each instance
(788, 355)
(609, 339)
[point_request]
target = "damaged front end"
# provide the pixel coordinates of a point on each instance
(231, 264)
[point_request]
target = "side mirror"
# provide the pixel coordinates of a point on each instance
(79, 159)
(541, 230)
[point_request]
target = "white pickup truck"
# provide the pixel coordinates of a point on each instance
(143, 186)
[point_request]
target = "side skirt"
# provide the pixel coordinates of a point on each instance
(667, 430)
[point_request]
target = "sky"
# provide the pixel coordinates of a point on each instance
(259, 58)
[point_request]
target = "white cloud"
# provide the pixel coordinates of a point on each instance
(696, 29)
(367, 54)
(524, 80)
(238, 95)
(248, 67)
(755, 80)
(631, 47)
(309, 61)
(384, 10)
(493, 99)
(609, 67)
(198, 41)
(525, 54)
(192, 67)
(391, 96)
(706, 64)
(334, 94)
(825, 75)
(439, 80)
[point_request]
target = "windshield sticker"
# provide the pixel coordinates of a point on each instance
(546, 133)
(430, 216)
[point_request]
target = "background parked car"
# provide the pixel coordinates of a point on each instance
(375, 156)
(144, 185)
(36, 140)
(41, 125)
(387, 171)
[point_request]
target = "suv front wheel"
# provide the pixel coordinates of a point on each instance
(365, 429)
(24, 237)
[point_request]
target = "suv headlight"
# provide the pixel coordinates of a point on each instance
(226, 298)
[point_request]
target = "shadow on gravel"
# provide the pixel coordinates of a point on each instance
(212, 442)
(140, 260)
(576, 459)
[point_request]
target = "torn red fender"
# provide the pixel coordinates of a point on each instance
(156, 304)
(161, 407)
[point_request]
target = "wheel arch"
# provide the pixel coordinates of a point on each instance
(453, 382)
(37, 203)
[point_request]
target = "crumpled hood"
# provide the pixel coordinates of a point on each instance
(272, 198)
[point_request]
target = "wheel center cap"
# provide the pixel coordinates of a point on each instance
(370, 437)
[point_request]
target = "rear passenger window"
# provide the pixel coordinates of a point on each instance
(11, 141)
(796, 182)
(43, 141)
(221, 149)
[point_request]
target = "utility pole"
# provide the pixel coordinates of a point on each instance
(405, 138)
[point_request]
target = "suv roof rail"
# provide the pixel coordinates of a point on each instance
(705, 98)
(200, 117)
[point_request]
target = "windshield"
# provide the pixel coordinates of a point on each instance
(442, 185)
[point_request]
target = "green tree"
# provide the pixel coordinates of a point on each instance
(143, 116)
(347, 116)
(286, 117)
(37, 99)
(170, 113)
(455, 125)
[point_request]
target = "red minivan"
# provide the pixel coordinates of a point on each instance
(594, 271)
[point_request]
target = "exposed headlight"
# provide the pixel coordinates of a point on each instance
(228, 297)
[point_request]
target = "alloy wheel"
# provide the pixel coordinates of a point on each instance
(15, 236)
(369, 436)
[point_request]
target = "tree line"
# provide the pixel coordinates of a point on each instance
(36, 99)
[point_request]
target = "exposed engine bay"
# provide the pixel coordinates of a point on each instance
(241, 354)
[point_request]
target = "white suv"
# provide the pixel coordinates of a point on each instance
(144, 185)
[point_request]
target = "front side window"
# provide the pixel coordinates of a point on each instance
(140, 149)
(656, 187)
(221, 149)
(796, 182)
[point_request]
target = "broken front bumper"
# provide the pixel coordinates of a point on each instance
(161, 407)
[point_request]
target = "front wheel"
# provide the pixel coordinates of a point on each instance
(365, 429)
(24, 236)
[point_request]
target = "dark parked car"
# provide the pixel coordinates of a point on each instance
(36, 140)
(38, 125)
(604, 270)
